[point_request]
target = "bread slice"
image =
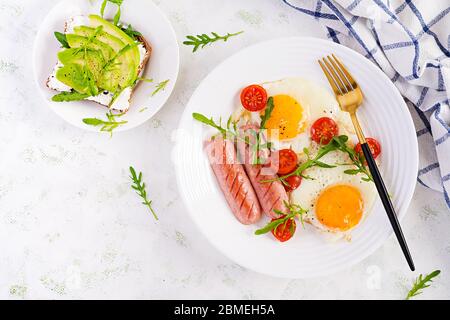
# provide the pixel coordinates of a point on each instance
(123, 101)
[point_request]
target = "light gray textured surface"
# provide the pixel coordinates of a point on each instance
(71, 227)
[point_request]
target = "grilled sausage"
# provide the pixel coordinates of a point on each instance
(272, 195)
(233, 181)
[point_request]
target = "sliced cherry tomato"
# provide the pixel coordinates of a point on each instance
(284, 231)
(374, 146)
(254, 98)
(282, 162)
(293, 183)
(287, 161)
(323, 130)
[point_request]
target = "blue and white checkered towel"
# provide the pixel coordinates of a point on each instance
(410, 41)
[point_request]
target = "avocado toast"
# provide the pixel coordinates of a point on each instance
(100, 62)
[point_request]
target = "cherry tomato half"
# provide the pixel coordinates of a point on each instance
(284, 231)
(287, 161)
(293, 183)
(374, 146)
(323, 130)
(254, 98)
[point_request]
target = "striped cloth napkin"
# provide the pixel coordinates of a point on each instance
(410, 41)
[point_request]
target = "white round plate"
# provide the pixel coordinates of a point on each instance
(383, 115)
(145, 17)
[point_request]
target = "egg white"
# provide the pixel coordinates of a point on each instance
(310, 189)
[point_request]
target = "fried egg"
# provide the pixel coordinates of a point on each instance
(336, 202)
(298, 103)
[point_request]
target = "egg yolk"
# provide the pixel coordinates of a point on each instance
(340, 207)
(285, 118)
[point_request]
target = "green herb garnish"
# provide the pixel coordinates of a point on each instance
(230, 130)
(118, 13)
(69, 96)
(312, 161)
(131, 32)
(145, 79)
(294, 211)
(201, 40)
(139, 186)
(422, 283)
(111, 64)
(108, 125)
(61, 37)
(357, 159)
(210, 122)
(160, 87)
(142, 79)
(337, 143)
(85, 47)
(258, 144)
(267, 113)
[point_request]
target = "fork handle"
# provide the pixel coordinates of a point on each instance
(385, 199)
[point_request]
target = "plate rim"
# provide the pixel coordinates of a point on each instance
(414, 163)
(120, 128)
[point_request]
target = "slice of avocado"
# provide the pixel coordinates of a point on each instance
(77, 77)
(125, 70)
(76, 41)
(108, 27)
(110, 80)
(115, 43)
(91, 58)
(129, 61)
(115, 77)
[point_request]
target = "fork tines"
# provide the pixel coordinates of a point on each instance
(338, 76)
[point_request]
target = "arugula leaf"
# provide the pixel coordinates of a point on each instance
(294, 211)
(107, 125)
(118, 13)
(139, 186)
(323, 165)
(144, 79)
(93, 121)
(258, 144)
(311, 162)
(117, 17)
(103, 7)
(69, 96)
(209, 122)
(422, 283)
(131, 32)
(111, 64)
(201, 40)
(61, 37)
(93, 90)
(271, 226)
(351, 172)
(231, 131)
(357, 160)
(160, 87)
(337, 143)
(267, 113)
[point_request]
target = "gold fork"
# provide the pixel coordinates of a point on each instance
(350, 97)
